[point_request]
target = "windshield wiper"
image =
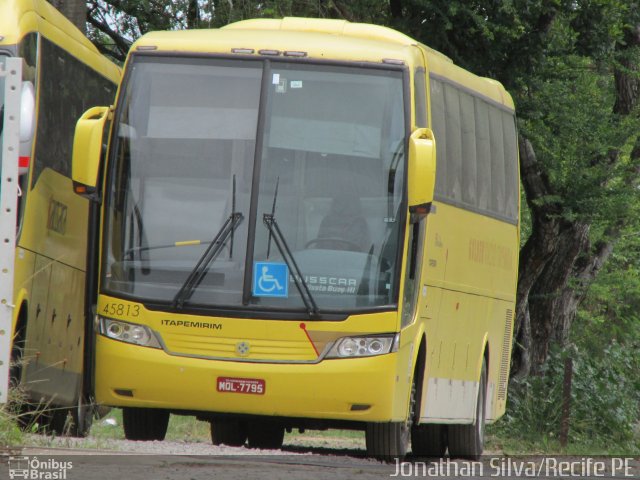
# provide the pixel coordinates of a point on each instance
(209, 255)
(275, 233)
(301, 284)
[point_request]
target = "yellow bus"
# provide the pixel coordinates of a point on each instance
(63, 74)
(280, 251)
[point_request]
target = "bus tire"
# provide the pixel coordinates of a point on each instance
(265, 434)
(429, 440)
(388, 441)
(81, 418)
(145, 423)
(232, 433)
(467, 441)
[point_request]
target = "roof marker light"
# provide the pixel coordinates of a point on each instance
(274, 53)
(393, 61)
(295, 54)
(246, 51)
(146, 47)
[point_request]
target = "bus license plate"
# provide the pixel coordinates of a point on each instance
(253, 386)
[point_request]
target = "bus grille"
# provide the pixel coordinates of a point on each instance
(247, 349)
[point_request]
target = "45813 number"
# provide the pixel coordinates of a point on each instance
(121, 309)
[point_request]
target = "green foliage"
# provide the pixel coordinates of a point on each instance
(10, 434)
(604, 400)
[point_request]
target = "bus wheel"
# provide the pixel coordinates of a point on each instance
(429, 440)
(388, 441)
(467, 441)
(228, 432)
(72, 422)
(265, 434)
(81, 418)
(145, 423)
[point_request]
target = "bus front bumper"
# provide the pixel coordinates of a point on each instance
(356, 389)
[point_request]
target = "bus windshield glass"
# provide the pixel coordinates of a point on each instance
(207, 149)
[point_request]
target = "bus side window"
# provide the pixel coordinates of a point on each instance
(439, 128)
(483, 155)
(511, 166)
(420, 98)
(469, 160)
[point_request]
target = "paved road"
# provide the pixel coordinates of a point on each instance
(293, 464)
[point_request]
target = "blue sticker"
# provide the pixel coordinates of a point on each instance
(270, 279)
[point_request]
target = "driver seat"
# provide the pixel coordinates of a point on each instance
(344, 227)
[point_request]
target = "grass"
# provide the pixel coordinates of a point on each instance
(498, 440)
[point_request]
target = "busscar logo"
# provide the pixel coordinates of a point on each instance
(34, 468)
(57, 217)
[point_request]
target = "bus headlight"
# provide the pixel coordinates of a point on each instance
(369, 346)
(128, 332)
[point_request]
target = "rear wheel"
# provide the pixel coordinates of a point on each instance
(81, 418)
(145, 423)
(73, 422)
(265, 434)
(467, 441)
(229, 432)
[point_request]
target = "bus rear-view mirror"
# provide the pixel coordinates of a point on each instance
(422, 168)
(87, 151)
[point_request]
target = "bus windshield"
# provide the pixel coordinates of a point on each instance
(205, 148)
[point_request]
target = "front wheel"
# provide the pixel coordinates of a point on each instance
(387, 441)
(467, 441)
(145, 423)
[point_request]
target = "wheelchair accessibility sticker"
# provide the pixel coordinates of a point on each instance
(270, 279)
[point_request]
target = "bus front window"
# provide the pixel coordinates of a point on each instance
(328, 153)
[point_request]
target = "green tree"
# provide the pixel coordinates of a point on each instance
(74, 10)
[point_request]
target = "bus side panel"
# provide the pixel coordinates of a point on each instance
(36, 318)
(54, 369)
(24, 269)
(54, 225)
(469, 271)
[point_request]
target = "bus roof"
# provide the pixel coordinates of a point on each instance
(20, 17)
(324, 39)
(317, 38)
